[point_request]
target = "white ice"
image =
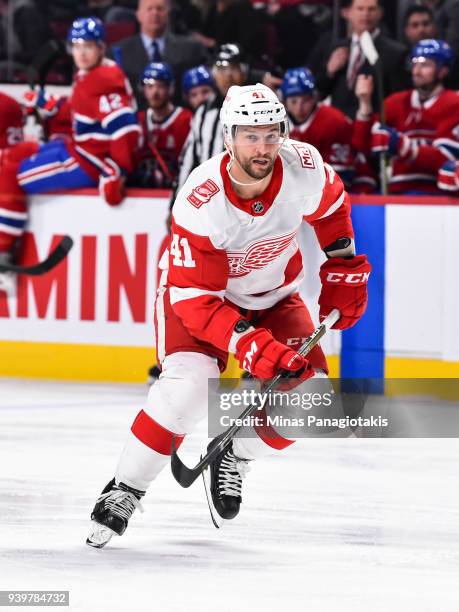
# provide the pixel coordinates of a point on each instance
(343, 525)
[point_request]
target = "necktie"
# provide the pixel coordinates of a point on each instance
(354, 67)
(155, 53)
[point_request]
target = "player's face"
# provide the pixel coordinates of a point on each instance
(363, 15)
(198, 95)
(87, 54)
(424, 73)
(153, 16)
(419, 27)
(157, 94)
(256, 149)
(226, 76)
(300, 107)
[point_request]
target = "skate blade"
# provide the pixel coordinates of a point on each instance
(99, 535)
(217, 520)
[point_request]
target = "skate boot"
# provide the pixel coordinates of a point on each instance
(112, 512)
(226, 474)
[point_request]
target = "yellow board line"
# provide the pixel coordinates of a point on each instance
(88, 362)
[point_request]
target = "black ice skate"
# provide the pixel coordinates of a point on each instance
(223, 479)
(112, 512)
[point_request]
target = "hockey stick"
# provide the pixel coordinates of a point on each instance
(59, 253)
(184, 475)
(37, 72)
(161, 161)
(371, 54)
(44, 59)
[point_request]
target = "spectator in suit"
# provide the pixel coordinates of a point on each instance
(418, 24)
(338, 64)
(156, 43)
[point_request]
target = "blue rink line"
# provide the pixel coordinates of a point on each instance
(362, 347)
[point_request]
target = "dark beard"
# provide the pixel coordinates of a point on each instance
(248, 170)
(426, 92)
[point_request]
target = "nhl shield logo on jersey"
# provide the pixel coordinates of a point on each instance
(203, 193)
(258, 255)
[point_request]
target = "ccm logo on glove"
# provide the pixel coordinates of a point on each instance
(351, 279)
(344, 286)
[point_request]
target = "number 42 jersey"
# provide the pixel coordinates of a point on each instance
(104, 119)
(227, 251)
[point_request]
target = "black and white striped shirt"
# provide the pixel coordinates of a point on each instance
(204, 140)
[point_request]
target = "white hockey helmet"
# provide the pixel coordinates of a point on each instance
(252, 105)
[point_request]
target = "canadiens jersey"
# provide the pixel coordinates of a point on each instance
(157, 161)
(433, 124)
(11, 121)
(104, 119)
(225, 248)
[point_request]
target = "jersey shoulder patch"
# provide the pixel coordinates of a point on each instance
(191, 206)
(203, 193)
(305, 155)
(304, 165)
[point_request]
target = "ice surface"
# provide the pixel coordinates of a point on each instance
(331, 525)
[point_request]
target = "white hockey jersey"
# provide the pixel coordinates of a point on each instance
(245, 251)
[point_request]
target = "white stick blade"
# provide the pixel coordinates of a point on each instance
(368, 47)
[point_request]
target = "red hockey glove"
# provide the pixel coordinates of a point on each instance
(385, 139)
(47, 105)
(448, 176)
(111, 185)
(263, 356)
(344, 286)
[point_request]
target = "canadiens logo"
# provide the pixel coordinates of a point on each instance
(258, 255)
(203, 193)
(305, 156)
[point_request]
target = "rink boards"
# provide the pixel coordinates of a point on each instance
(92, 317)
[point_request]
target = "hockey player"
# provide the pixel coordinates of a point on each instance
(197, 86)
(230, 284)
(105, 129)
(205, 139)
(165, 128)
(12, 212)
(421, 129)
(307, 121)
